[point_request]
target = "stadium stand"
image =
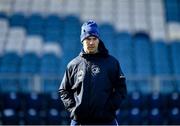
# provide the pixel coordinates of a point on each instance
(39, 37)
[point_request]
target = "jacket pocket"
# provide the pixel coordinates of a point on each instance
(80, 113)
(110, 106)
(109, 111)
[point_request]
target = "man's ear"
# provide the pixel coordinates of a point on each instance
(82, 42)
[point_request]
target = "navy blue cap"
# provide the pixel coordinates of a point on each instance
(89, 28)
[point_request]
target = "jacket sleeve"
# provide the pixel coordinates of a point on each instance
(119, 90)
(65, 91)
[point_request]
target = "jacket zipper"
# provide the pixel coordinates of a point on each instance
(89, 85)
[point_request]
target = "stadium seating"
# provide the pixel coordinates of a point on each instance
(125, 54)
(10, 63)
(33, 108)
(135, 116)
(175, 58)
(17, 19)
(107, 32)
(161, 59)
(53, 117)
(53, 29)
(173, 100)
(32, 117)
(39, 37)
(35, 25)
(155, 117)
(33, 101)
(11, 101)
(142, 44)
(172, 10)
(30, 63)
(174, 116)
(10, 117)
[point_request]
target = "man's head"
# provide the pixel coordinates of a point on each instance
(90, 37)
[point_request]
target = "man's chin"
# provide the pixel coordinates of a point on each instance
(92, 52)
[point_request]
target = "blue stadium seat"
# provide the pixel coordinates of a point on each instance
(123, 48)
(53, 28)
(50, 64)
(143, 61)
(3, 15)
(175, 47)
(53, 117)
(52, 35)
(11, 100)
(54, 101)
(53, 22)
(155, 117)
(107, 33)
(50, 84)
(169, 86)
(157, 100)
(10, 64)
(55, 107)
(144, 116)
(32, 117)
(173, 100)
(106, 29)
(71, 32)
(10, 117)
(35, 25)
(174, 116)
(135, 100)
(33, 100)
(9, 84)
(135, 117)
(161, 58)
(71, 26)
(17, 19)
(71, 48)
(75, 40)
(172, 10)
(30, 63)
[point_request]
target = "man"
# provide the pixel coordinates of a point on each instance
(93, 85)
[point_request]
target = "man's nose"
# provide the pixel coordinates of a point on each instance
(91, 42)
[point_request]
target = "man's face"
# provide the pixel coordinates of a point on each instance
(90, 45)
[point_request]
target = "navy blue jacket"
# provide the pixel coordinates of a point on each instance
(93, 86)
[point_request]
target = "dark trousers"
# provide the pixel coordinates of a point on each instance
(76, 123)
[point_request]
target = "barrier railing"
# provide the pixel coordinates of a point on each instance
(50, 83)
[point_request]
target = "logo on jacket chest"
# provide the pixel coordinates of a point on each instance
(95, 70)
